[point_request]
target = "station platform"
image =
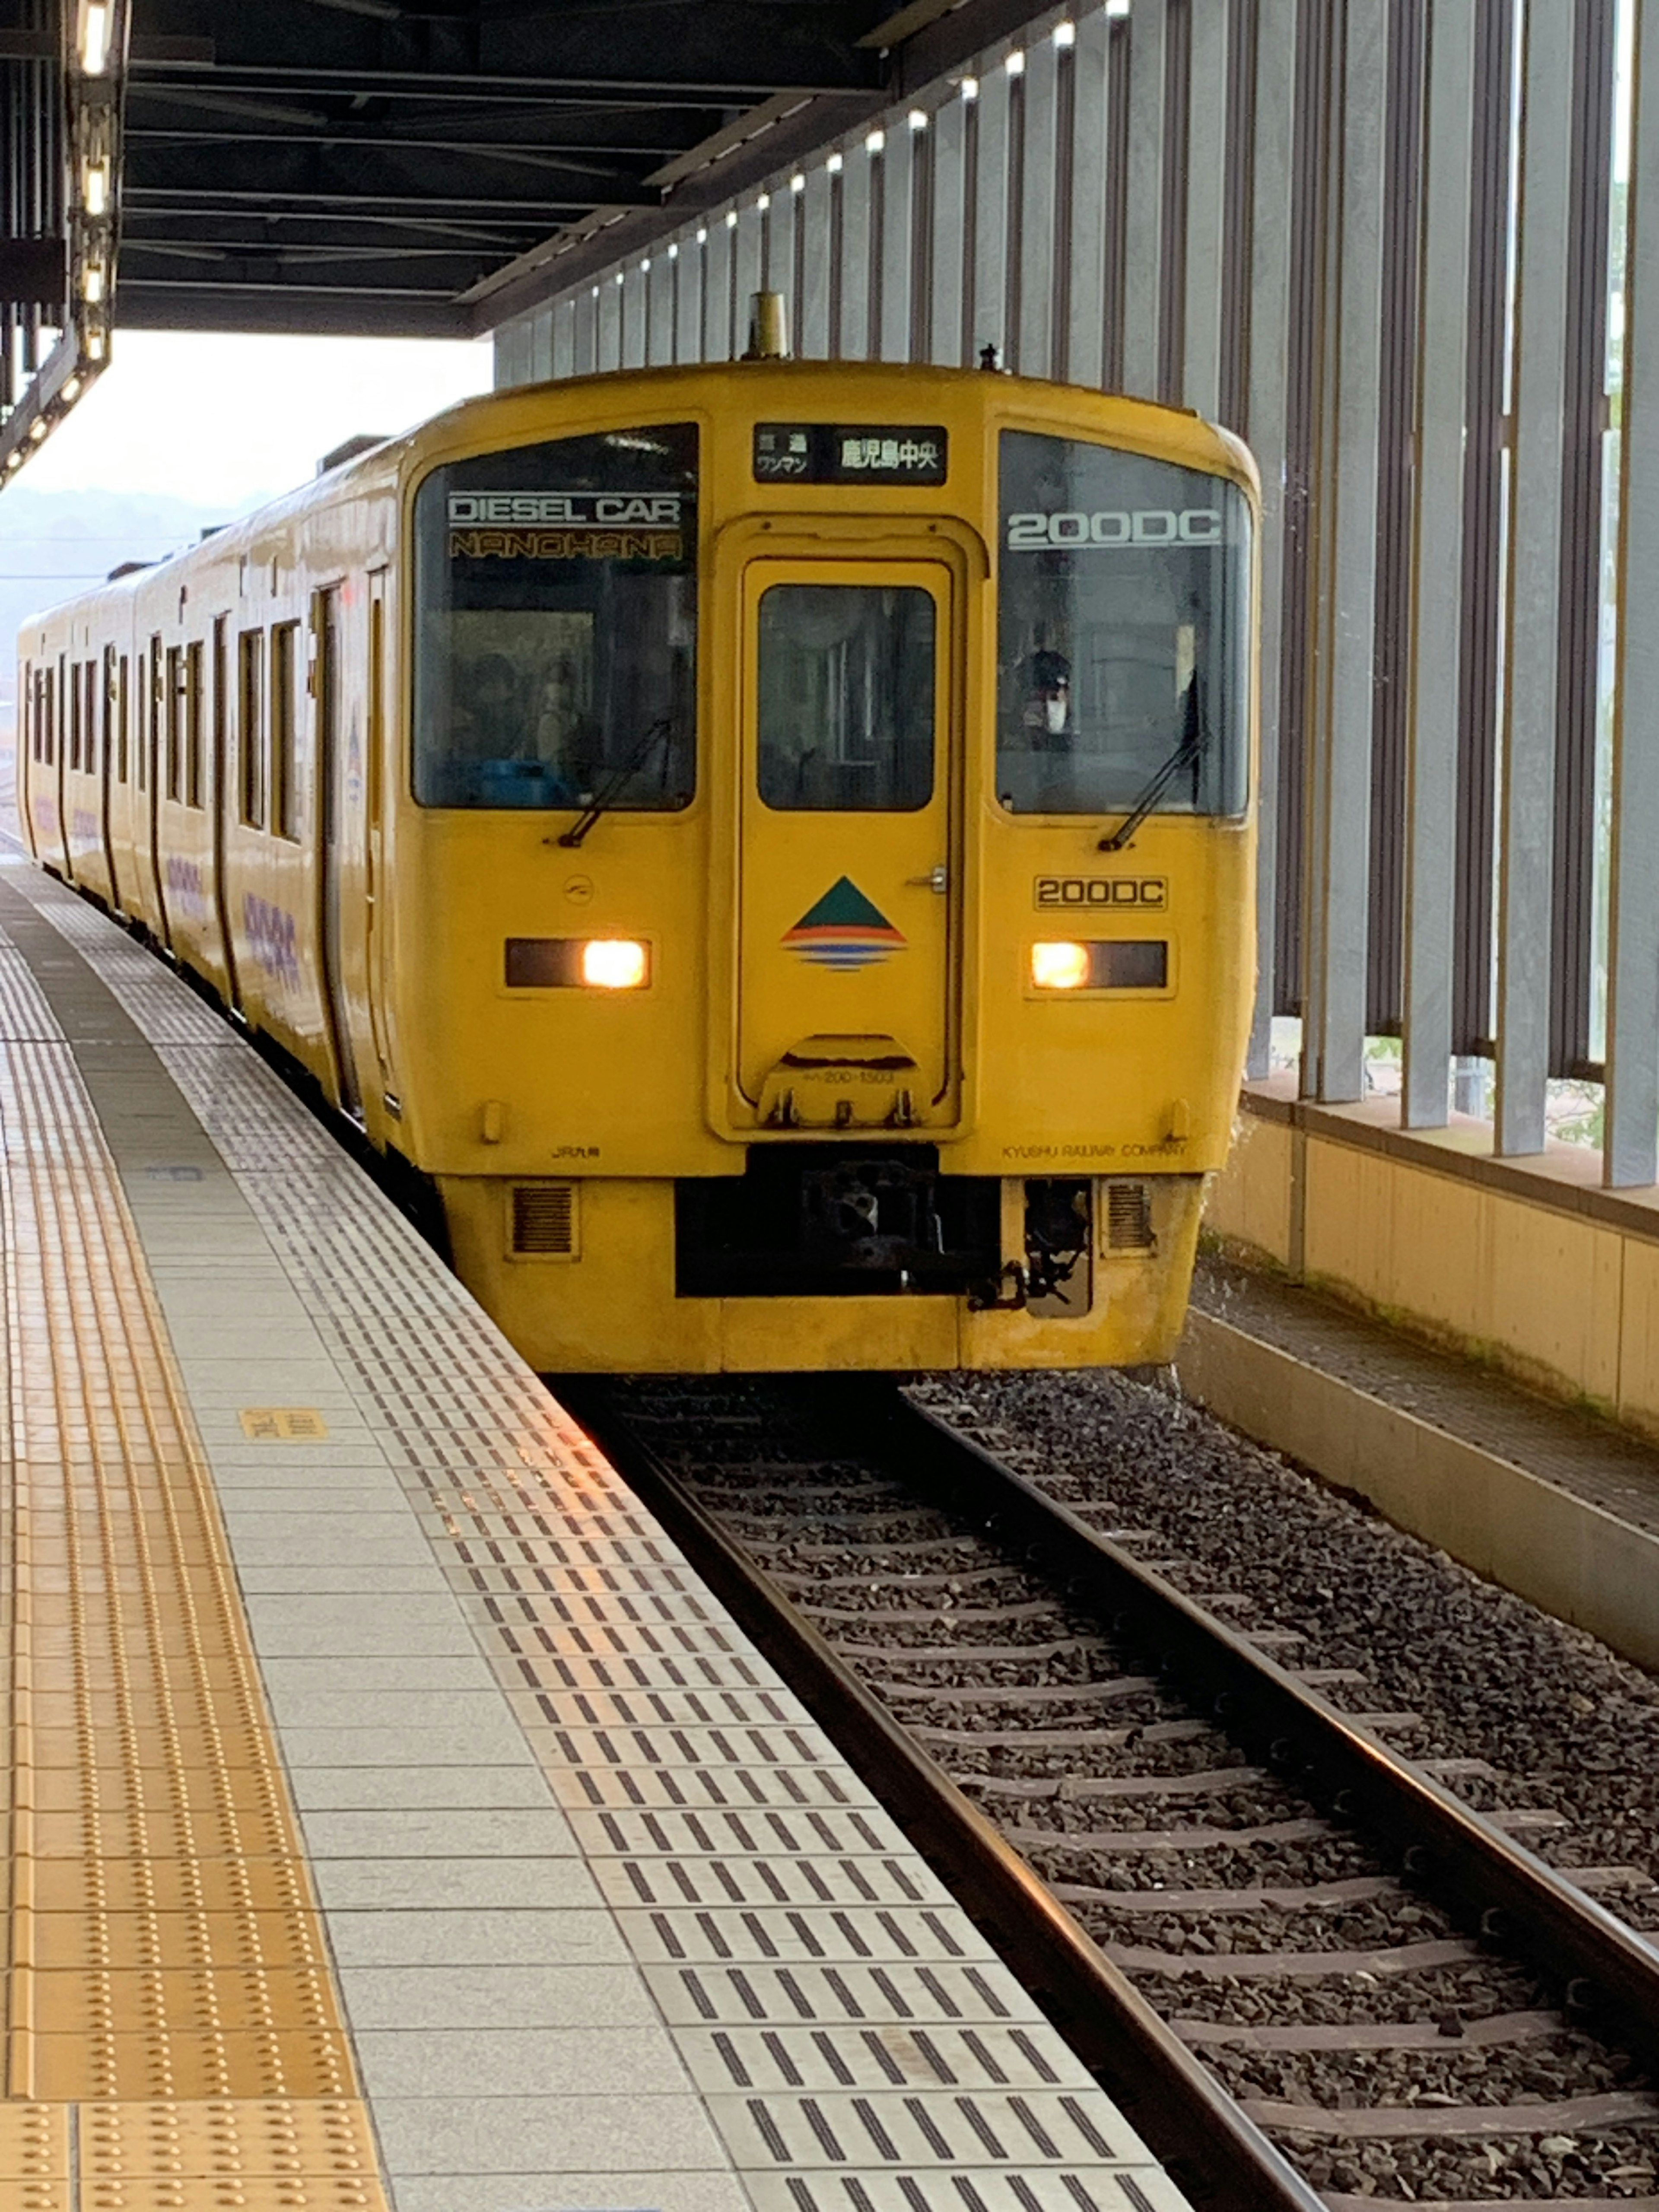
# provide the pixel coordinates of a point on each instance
(1551, 1499)
(394, 1821)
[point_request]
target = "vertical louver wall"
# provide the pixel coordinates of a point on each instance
(1378, 237)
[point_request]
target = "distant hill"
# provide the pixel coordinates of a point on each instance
(55, 543)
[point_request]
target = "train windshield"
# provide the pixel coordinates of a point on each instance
(557, 624)
(1123, 673)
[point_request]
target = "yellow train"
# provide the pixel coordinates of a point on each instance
(764, 848)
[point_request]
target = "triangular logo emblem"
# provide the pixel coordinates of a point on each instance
(844, 929)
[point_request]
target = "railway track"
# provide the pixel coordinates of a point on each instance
(1311, 1974)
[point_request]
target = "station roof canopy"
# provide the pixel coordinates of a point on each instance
(414, 166)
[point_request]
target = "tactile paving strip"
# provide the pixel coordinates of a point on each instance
(173, 2039)
(858, 2046)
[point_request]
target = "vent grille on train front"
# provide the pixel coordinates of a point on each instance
(544, 1220)
(1128, 1218)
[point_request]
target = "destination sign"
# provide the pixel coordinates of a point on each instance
(850, 452)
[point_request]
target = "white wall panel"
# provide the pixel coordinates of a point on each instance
(949, 203)
(1209, 181)
(891, 339)
(659, 309)
(719, 276)
(747, 254)
(988, 306)
(635, 289)
(1086, 291)
(1033, 251)
(858, 185)
(1143, 245)
(688, 299)
(1527, 816)
(1334, 1045)
(564, 337)
(1632, 1138)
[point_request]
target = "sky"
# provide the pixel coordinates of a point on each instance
(224, 420)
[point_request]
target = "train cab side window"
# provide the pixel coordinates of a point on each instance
(175, 722)
(845, 693)
(1123, 624)
(106, 710)
(160, 673)
(250, 725)
(193, 724)
(557, 624)
(284, 731)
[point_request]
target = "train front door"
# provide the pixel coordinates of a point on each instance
(847, 864)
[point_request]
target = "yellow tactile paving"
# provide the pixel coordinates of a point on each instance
(173, 2039)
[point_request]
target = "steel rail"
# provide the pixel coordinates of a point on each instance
(1513, 1896)
(1168, 2096)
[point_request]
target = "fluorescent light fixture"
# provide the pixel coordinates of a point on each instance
(92, 283)
(764, 203)
(797, 182)
(875, 142)
(917, 118)
(94, 37)
(95, 188)
(834, 165)
(970, 87)
(1015, 65)
(1064, 34)
(731, 218)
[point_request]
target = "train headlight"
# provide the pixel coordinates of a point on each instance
(614, 964)
(1060, 967)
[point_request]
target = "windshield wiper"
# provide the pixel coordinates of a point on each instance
(602, 799)
(1186, 755)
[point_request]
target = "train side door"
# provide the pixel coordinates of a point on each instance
(107, 702)
(61, 718)
(153, 691)
(847, 879)
(222, 798)
(340, 772)
(377, 916)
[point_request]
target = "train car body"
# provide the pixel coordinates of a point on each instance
(768, 845)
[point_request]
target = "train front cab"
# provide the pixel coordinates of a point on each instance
(913, 1074)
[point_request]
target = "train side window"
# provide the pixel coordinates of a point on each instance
(250, 724)
(284, 726)
(54, 693)
(121, 694)
(75, 714)
(141, 692)
(193, 724)
(846, 690)
(175, 717)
